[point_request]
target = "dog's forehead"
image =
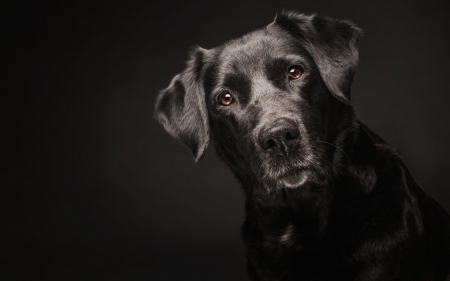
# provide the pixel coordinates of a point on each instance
(254, 49)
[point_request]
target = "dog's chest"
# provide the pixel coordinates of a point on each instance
(283, 241)
(288, 239)
(290, 246)
(281, 252)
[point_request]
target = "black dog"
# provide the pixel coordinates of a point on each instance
(326, 198)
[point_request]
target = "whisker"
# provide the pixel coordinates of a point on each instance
(335, 147)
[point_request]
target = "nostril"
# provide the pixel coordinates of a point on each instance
(269, 144)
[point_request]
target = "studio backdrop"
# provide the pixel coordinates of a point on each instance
(93, 187)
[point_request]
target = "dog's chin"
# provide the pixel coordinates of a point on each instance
(295, 178)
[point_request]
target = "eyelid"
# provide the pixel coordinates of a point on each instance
(298, 64)
(217, 93)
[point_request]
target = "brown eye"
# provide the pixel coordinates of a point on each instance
(225, 99)
(294, 72)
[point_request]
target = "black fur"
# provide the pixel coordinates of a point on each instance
(326, 198)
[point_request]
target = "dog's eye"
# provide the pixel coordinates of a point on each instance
(225, 98)
(294, 72)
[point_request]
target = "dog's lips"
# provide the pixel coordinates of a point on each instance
(295, 178)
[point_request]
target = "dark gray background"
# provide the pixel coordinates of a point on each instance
(92, 187)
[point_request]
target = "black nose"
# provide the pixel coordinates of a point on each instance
(280, 137)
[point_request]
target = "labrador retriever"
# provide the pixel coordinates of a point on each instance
(326, 198)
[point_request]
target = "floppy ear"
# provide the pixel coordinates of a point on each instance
(181, 107)
(332, 44)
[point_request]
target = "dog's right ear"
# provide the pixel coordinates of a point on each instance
(181, 107)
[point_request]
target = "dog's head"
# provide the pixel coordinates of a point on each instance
(275, 101)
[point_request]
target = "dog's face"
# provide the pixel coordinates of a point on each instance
(275, 101)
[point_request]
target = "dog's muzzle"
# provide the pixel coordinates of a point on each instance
(280, 142)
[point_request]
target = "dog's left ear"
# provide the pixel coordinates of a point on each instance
(181, 107)
(332, 44)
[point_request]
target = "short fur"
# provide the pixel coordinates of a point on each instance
(326, 198)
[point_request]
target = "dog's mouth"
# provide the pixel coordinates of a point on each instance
(302, 166)
(295, 178)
